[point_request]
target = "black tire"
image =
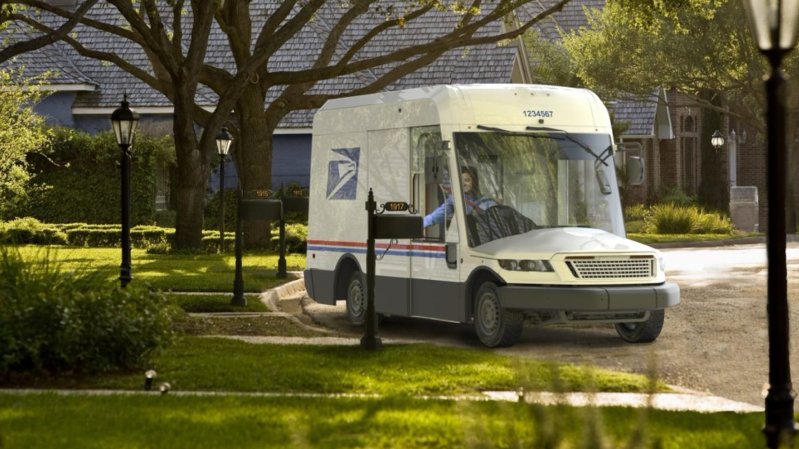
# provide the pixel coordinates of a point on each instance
(643, 332)
(356, 299)
(495, 327)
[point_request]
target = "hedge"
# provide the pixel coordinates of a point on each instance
(156, 239)
(79, 180)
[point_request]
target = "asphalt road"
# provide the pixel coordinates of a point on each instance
(715, 341)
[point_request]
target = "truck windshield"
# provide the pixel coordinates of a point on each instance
(526, 181)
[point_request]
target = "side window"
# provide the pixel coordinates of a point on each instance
(430, 181)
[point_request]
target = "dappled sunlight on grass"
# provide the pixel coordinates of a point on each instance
(175, 272)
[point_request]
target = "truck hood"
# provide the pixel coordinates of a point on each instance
(546, 242)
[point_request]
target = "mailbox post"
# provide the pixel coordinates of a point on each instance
(262, 208)
(383, 227)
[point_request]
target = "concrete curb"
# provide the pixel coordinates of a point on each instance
(290, 291)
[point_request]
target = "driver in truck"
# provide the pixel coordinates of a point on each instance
(472, 198)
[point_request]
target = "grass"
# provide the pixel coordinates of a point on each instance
(193, 303)
(54, 422)
(687, 238)
(215, 364)
(176, 272)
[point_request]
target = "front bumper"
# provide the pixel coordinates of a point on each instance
(594, 299)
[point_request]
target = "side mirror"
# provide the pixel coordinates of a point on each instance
(635, 170)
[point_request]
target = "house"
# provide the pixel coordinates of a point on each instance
(85, 91)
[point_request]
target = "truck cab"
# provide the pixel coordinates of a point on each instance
(522, 213)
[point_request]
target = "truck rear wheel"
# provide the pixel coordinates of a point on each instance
(356, 299)
(495, 326)
(644, 331)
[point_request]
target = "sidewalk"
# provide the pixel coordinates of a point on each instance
(292, 300)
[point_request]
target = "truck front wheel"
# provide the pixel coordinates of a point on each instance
(495, 326)
(644, 331)
(356, 299)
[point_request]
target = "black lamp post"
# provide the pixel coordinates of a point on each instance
(223, 141)
(717, 140)
(774, 26)
(125, 121)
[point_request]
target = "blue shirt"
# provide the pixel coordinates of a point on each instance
(447, 208)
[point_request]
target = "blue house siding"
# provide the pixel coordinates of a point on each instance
(291, 163)
(291, 159)
(57, 109)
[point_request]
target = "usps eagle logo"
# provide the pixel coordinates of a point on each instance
(342, 173)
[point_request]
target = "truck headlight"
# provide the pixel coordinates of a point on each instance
(525, 265)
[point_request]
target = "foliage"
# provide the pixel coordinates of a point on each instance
(296, 237)
(670, 218)
(213, 210)
(21, 134)
(80, 182)
(56, 320)
(704, 45)
(549, 61)
(31, 231)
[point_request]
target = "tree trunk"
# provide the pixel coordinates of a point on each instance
(254, 165)
(192, 175)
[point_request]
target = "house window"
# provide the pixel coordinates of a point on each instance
(162, 187)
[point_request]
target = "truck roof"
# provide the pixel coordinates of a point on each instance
(513, 105)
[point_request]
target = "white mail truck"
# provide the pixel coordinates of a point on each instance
(523, 220)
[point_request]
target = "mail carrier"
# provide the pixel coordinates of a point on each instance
(523, 220)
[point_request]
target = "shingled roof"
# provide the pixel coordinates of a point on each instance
(483, 64)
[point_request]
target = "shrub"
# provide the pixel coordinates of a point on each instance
(674, 219)
(31, 231)
(296, 237)
(57, 320)
(636, 212)
(710, 223)
(669, 218)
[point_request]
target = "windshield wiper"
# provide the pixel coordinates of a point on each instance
(500, 130)
(572, 139)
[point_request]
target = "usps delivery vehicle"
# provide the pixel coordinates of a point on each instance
(534, 235)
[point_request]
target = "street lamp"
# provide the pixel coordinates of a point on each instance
(223, 141)
(773, 24)
(717, 140)
(125, 121)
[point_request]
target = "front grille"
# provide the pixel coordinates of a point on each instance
(611, 267)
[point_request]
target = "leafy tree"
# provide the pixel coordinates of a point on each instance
(174, 36)
(550, 62)
(21, 133)
(704, 45)
(702, 48)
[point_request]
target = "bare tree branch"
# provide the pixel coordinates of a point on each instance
(18, 48)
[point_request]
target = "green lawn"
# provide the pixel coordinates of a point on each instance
(154, 421)
(215, 364)
(175, 272)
